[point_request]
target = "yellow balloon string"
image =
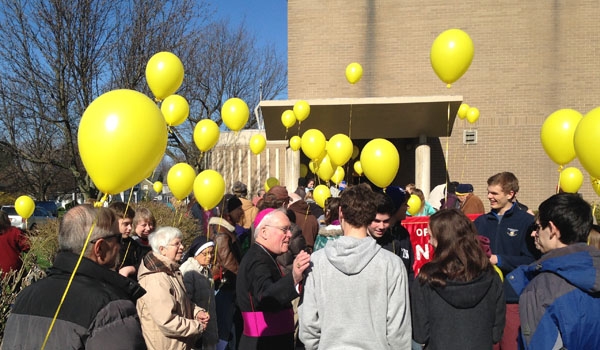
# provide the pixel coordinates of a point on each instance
(560, 169)
(447, 153)
(175, 213)
(62, 299)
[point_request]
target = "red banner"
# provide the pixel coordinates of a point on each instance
(417, 226)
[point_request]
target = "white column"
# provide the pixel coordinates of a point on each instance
(423, 166)
(292, 169)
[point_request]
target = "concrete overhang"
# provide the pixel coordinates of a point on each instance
(367, 118)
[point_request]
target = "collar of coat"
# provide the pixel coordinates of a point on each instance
(219, 221)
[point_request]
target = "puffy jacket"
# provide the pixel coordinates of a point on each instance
(97, 313)
(228, 251)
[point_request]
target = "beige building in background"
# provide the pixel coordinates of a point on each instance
(531, 59)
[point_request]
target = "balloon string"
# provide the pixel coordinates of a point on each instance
(62, 299)
(560, 168)
(350, 124)
(447, 153)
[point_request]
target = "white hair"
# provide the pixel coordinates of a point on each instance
(162, 236)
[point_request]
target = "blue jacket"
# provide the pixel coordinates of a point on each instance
(560, 299)
(509, 240)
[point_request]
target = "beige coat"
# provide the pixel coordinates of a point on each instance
(166, 313)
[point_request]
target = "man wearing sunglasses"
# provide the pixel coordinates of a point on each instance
(560, 293)
(99, 308)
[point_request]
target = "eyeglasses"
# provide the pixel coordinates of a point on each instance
(284, 230)
(177, 245)
(118, 236)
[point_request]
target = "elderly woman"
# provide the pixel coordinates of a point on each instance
(168, 317)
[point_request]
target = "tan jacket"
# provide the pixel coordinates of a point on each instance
(166, 313)
(250, 212)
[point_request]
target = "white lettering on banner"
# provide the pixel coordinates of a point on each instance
(422, 252)
(422, 232)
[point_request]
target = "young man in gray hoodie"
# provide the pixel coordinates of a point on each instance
(354, 287)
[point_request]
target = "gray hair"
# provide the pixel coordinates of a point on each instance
(267, 219)
(162, 236)
(77, 223)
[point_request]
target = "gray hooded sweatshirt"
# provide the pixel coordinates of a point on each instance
(355, 297)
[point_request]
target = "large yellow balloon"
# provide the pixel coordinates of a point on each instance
(320, 195)
(358, 168)
(339, 149)
(157, 186)
(451, 55)
(270, 183)
(164, 74)
(587, 142)
(354, 72)
(472, 115)
(24, 206)
(235, 113)
(301, 110)
(303, 170)
(206, 134)
(313, 143)
(175, 109)
(180, 179)
(288, 118)
(557, 135)
(571, 180)
(122, 137)
(380, 162)
(325, 169)
(462, 110)
(414, 204)
(295, 143)
(257, 143)
(338, 175)
(209, 188)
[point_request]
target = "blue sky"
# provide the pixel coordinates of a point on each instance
(267, 19)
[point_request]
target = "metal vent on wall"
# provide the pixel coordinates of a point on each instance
(470, 137)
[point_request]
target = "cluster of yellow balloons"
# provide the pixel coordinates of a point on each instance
(24, 206)
(299, 113)
(451, 55)
(466, 111)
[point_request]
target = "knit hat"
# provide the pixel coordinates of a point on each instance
(280, 192)
(397, 194)
(261, 215)
(198, 245)
(240, 188)
(464, 189)
(229, 203)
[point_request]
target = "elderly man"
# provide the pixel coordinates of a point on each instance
(469, 202)
(560, 293)
(264, 295)
(99, 308)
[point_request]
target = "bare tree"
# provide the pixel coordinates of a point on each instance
(58, 55)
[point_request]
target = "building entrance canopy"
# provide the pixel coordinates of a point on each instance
(367, 118)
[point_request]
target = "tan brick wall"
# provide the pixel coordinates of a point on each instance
(531, 58)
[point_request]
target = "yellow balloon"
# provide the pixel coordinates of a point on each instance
(355, 152)
(338, 175)
(301, 110)
(571, 180)
(209, 188)
(235, 113)
(313, 143)
(24, 206)
(339, 149)
(180, 179)
(462, 110)
(164, 74)
(272, 181)
(596, 185)
(587, 142)
(358, 168)
(414, 204)
(113, 161)
(380, 162)
(175, 109)
(288, 119)
(312, 166)
(325, 169)
(472, 115)
(157, 187)
(557, 133)
(303, 170)
(320, 195)
(451, 55)
(257, 143)
(206, 134)
(354, 72)
(295, 143)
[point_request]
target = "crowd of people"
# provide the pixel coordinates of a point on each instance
(279, 272)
